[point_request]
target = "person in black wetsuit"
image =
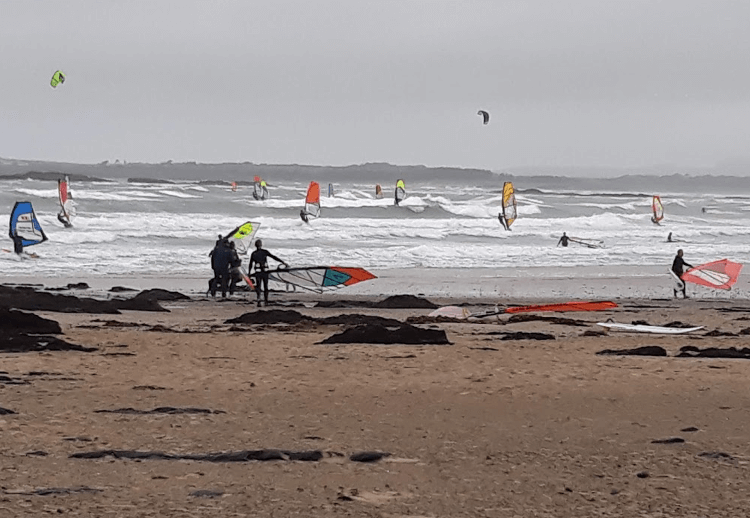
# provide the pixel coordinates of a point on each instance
(563, 240)
(234, 262)
(501, 219)
(221, 258)
(17, 243)
(669, 238)
(678, 266)
(62, 219)
(259, 261)
(303, 215)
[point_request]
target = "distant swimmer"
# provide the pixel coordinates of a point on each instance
(669, 238)
(259, 260)
(703, 210)
(678, 266)
(563, 240)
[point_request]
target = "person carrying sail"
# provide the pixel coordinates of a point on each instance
(563, 240)
(678, 266)
(234, 262)
(259, 261)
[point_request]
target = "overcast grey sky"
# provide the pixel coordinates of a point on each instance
(567, 82)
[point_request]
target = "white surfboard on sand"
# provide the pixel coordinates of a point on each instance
(648, 329)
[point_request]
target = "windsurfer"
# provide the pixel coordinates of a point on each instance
(221, 257)
(259, 261)
(669, 238)
(678, 266)
(303, 215)
(235, 262)
(563, 240)
(62, 219)
(17, 243)
(501, 218)
(654, 221)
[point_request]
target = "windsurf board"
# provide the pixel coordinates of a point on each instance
(648, 329)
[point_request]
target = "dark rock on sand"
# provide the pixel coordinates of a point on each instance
(647, 350)
(690, 429)
(591, 332)
(526, 317)
(5, 411)
(16, 322)
(29, 343)
(716, 332)
(356, 319)
(161, 410)
(271, 316)
(690, 351)
(368, 456)
(526, 336)
(46, 491)
(206, 493)
(231, 456)
(120, 289)
(392, 302)
(670, 440)
(159, 294)
(7, 380)
(378, 334)
(716, 455)
(30, 299)
(76, 286)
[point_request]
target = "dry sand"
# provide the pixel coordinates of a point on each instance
(482, 427)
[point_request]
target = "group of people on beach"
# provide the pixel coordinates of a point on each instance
(226, 265)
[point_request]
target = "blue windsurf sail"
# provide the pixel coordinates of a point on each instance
(24, 223)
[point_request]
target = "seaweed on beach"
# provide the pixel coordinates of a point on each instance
(690, 351)
(646, 350)
(525, 317)
(522, 335)
(392, 302)
(160, 410)
(30, 299)
(22, 343)
(378, 334)
(281, 316)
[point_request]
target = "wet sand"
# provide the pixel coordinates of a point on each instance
(481, 427)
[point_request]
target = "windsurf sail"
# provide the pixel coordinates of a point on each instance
(66, 204)
(721, 275)
(243, 235)
(58, 78)
(260, 188)
(485, 117)
(378, 191)
(509, 213)
(658, 209)
(319, 278)
(312, 201)
(588, 243)
(330, 190)
(400, 191)
(24, 224)
(565, 306)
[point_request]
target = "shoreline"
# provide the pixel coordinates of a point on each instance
(534, 284)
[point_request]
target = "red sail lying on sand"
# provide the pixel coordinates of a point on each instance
(565, 306)
(720, 274)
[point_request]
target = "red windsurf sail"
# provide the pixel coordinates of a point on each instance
(565, 306)
(312, 200)
(720, 275)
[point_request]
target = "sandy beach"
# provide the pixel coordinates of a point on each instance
(494, 424)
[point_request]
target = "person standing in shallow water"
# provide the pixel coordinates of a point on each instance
(563, 240)
(678, 266)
